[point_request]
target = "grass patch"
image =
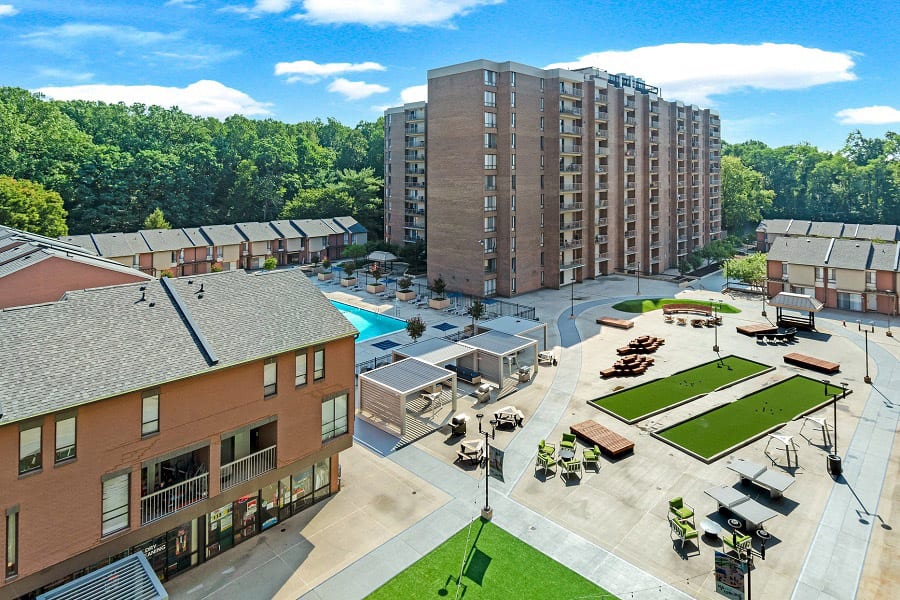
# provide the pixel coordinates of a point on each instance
(643, 400)
(648, 304)
(496, 565)
(727, 426)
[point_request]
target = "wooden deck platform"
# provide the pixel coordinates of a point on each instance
(811, 362)
(613, 322)
(610, 442)
(755, 328)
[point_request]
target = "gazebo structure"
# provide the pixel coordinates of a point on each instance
(388, 392)
(796, 302)
(130, 577)
(516, 326)
(499, 355)
(437, 351)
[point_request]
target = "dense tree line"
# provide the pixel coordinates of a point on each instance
(858, 184)
(113, 164)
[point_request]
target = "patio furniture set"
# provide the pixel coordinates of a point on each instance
(633, 364)
(548, 458)
(789, 335)
(471, 452)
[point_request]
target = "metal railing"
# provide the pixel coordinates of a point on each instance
(571, 206)
(568, 90)
(601, 115)
(570, 148)
(572, 168)
(166, 501)
(570, 110)
(571, 130)
(570, 187)
(571, 245)
(571, 225)
(603, 221)
(245, 469)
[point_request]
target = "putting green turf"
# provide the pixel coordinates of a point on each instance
(648, 304)
(497, 565)
(722, 428)
(635, 403)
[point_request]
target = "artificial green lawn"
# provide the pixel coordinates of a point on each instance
(648, 304)
(497, 565)
(634, 403)
(722, 428)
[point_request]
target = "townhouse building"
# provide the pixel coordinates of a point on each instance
(171, 417)
(198, 250)
(544, 177)
(770, 230)
(848, 274)
(35, 269)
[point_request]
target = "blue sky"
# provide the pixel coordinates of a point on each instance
(781, 72)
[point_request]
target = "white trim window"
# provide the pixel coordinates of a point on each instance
(150, 412)
(30, 449)
(334, 417)
(300, 368)
(115, 503)
(270, 377)
(65, 439)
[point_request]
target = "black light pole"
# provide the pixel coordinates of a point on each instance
(572, 311)
(834, 459)
(639, 278)
(486, 512)
(866, 332)
(715, 306)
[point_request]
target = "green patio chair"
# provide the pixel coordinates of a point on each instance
(592, 455)
(738, 542)
(572, 466)
(546, 462)
(545, 448)
(683, 531)
(568, 441)
(681, 510)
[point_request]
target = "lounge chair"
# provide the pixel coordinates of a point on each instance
(568, 441)
(738, 542)
(680, 510)
(572, 466)
(546, 462)
(545, 448)
(592, 455)
(683, 531)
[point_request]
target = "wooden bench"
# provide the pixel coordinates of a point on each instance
(613, 322)
(696, 309)
(811, 362)
(756, 328)
(609, 442)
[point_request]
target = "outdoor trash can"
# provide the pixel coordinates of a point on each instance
(458, 425)
(834, 465)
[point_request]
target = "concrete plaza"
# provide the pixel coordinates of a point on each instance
(832, 539)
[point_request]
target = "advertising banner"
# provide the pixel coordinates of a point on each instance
(495, 462)
(729, 576)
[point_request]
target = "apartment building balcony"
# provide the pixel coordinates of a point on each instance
(654, 139)
(415, 115)
(415, 143)
(601, 115)
(570, 130)
(603, 133)
(600, 169)
(714, 180)
(413, 239)
(654, 108)
(173, 498)
(601, 239)
(415, 184)
(601, 257)
(570, 206)
(413, 225)
(572, 168)
(573, 264)
(695, 144)
(630, 234)
(571, 225)
(654, 124)
(695, 235)
(654, 260)
(602, 221)
(571, 244)
(245, 469)
(414, 129)
(629, 201)
(415, 156)
(570, 90)
(629, 168)
(682, 238)
(570, 148)
(629, 103)
(570, 110)
(654, 229)
(601, 98)
(630, 121)
(630, 218)
(602, 204)
(715, 144)
(654, 214)
(414, 212)
(601, 186)
(629, 185)
(414, 197)
(571, 187)
(602, 150)
(415, 170)
(654, 199)
(654, 169)
(629, 137)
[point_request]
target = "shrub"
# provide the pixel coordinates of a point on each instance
(165, 273)
(404, 283)
(348, 269)
(270, 264)
(216, 268)
(438, 286)
(415, 327)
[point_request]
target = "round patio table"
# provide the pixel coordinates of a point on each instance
(566, 454)
(710, 527)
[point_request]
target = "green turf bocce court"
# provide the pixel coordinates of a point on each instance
(639, 402)
(494, 564)
(650, 304)
(718, 431)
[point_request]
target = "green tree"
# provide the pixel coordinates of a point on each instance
(365, 191)
(750, 270)
(476, 311)
(348, 267)
(744, 196)
(415, 327)
(317, 203)
(156, 220)
(355, 251)
(28, 206)
(438, 286)
(270, 264)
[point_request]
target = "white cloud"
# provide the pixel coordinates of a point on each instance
(63, 36)
(8, 10)
(416, 93)
(868, 115)
(184, 3)
(310, 72)
(261, 7)
(695, 72)
(51, 73)
(205, 98)
(389, 12)
(355, 90)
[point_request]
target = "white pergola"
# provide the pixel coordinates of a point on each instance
(498, 354)
(516, 326)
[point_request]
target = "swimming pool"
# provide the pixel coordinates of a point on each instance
(370, 324)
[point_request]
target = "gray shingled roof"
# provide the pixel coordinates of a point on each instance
(314, 227)
(885, 257)
(286, 229)
(796, 302)
(774, 226)
(887, 233)
(223, 235)
(850, 254)
(800, 251)
(85, 242)
(257, 232)
(166, 240)
(407, 375)
(11, 233)
(798, 227)
(197, 237)
(120, 244)
(826, 229)
(350, 224)
(104, 342)
(30, 253)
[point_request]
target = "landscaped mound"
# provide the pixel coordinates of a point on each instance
(648, 304)
(494, 564)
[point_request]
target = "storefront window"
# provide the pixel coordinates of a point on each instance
(219, 531)
(246, 511)
(269, 511)
(284, 498)
(301, 489)
(323, 479)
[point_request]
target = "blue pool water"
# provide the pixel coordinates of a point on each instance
(370, 324)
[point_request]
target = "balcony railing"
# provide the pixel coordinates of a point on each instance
(630, 234)
(578, 262)
(602, 221)
(172, 499)
(570, 187)
(601, 257)
(414, 157)
(571, 245)
(602, 133)
(570, 110)
(571, 225)
(245, 469)
(570, 129)
(602, 204)
(415, 170)
(600, 169)
(572, 168)
(415, 143)
(601, 98)
(601, 115)
(414, 198)
(630, 121)
(567, 206)
(630, 218)
(601, 239)
(601, 186)
(629, 201)
(568, 90)
(414, 184)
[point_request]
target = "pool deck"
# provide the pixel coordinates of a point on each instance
(833, 539)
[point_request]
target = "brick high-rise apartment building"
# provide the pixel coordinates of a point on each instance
(538, 178)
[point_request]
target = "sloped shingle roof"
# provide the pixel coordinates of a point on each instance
(800, 251)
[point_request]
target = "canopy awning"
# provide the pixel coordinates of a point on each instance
(381, 256)
(796, 302)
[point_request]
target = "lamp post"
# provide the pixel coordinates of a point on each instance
(763, 536)
(572, 310)
(487, 512)
(866, 332)
(639, 278)
(714, 303)
(834, 459)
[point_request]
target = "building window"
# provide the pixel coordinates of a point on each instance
(542, 123)
(512, 79)
(541, 106)
(512, 285)
(490, 287)
(512, 202)
(542, 200)
(542, 161)
(65, 438)
(490, 99)
(832, 273)
(490, 203)
(209, 252)
(542, 224)
(490, 161)
(542, 83)
(319, 364)
(512, 99)
(490, 77)
(490, 245)
(512, 119)
(820, 272)
(270, 376)
(490, 182)
(870, 278)
(115, 503)
(542, 278)
(542, 143)
(512, 265)
(219, 252)
(512, 161)
(512, 223)
(490, 140)
(490, 224)
(542, 257)
(300, 368)
(136, 261)
(334, 417)
(512, 244)
(150, 412)
(512, 182)
(29, 449)
(490, 120)
(542, 184)
(12, 542)
(490, 265)
(784, 270)
(512, 141)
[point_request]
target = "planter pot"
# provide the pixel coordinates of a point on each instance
(375, 288)
(405, 296)
(438, 303)
(325, 276)
(348, 282)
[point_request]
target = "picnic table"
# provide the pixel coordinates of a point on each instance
(510, 415)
